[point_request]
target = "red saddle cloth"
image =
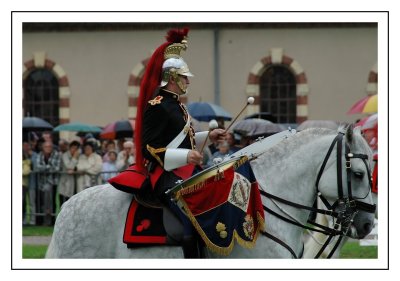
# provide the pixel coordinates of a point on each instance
(132, 180)
(144, 226)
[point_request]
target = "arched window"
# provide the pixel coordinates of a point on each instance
(278, 93)
(41, 98)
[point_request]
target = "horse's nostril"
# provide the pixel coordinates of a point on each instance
(367, 227)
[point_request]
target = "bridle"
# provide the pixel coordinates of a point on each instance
(343, 209)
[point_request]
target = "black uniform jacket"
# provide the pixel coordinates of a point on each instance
(164, 118)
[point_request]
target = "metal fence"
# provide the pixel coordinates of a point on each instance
(42, 200)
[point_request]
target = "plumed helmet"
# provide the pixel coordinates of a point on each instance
(152, 78)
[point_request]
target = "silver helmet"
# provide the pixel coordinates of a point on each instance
(172, 67)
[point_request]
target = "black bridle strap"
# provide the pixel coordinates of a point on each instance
(359, 205)
(327, 231)
(321, 211)
(339, 165)
(326, 228)
(321, 170)
(364, 159)
(328, 240)
(362, 206)
(279, 241)
(348, 170)
(335, 247)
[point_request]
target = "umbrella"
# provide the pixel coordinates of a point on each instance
(369, 126)
(256, 127)
(118, 129)
(369, 122)
(206, 111)
(368, 104)
(262, 115)
(77, 127)
(329, 124)
(35, 124)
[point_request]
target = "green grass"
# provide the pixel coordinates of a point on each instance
(352, 250)
(37, 230)
(33, 251)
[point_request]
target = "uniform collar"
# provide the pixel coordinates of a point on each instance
(172, 94)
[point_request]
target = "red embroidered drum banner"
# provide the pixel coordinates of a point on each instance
(225, 208)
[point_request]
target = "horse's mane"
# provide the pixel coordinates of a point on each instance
(294, 142)
(289, 145)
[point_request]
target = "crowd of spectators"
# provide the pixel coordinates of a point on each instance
(64, 169)
(56, 171)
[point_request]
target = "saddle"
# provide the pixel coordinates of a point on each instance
(148, 222)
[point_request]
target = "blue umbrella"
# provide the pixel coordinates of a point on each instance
(77, 127)
(35, 124)
(254, 127)
(206, 111)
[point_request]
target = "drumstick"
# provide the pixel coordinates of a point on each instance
(211, 126)
(250, 100)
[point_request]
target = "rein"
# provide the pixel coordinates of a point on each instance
(347, 206)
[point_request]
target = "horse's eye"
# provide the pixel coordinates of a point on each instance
(359, 175)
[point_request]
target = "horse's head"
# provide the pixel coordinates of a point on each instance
(344, 182)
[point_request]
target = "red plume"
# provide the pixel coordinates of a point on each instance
(150, 82)
(177, 35)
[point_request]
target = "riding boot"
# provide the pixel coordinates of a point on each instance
(190, 249)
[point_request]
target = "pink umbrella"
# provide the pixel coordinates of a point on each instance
(368, 104)
(368, 122)
(369, 127)
(118, 129)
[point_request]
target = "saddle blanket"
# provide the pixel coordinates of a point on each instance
(225, 208)
(144, 226)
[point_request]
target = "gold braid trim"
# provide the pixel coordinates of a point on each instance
(153, 151)
(225, 251)
(202, 181)
(191, 129)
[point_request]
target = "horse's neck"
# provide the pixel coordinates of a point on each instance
(289, 174)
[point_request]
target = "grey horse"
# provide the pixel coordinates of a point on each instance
(91, 224)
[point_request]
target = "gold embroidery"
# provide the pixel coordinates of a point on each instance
(153, 151)
(186, 129)
(221, 228)
(191, 129)
(248, 227)
(156, 100)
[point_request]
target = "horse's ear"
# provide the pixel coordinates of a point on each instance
(349, 133)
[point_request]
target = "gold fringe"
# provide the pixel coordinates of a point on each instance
(225, 251)
(192, 188)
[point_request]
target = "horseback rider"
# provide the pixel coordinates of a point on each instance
(165, 140)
